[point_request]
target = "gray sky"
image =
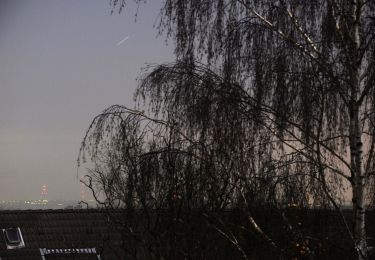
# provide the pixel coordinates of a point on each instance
(60, 65)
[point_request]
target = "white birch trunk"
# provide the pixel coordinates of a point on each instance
(358, 187)
(355, 135)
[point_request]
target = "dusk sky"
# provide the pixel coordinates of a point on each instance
(61, 63)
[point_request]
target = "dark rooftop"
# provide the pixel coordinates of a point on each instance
(61, 229)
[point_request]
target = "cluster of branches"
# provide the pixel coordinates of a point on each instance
(227, 161)
(269, 104)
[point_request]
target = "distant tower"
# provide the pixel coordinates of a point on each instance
(44, 192)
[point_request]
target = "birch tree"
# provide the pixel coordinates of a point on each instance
(307, 65)
(281, 91)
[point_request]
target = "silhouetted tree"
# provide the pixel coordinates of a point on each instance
(268, 103)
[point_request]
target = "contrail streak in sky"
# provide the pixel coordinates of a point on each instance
(122, 41)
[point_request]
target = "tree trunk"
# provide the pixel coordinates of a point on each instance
(357, 172)
(355, 133)
(358, 186)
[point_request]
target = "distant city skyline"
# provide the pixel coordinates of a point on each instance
(62, 63)
(32, 204)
